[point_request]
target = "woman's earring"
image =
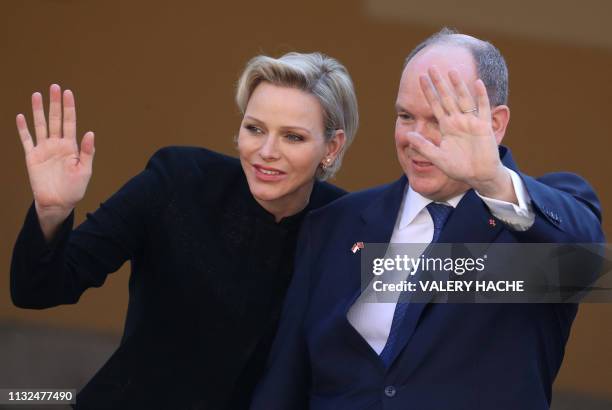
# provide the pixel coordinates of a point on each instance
(326, 163)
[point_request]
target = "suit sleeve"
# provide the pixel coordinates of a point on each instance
(567, 210)
(49, 274)
(286, 383)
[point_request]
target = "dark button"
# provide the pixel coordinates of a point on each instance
(390, 391)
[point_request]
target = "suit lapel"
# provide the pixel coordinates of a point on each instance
(377, 223)
(379, 218)
(471, 222)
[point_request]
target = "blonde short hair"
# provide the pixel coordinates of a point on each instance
(314, 73)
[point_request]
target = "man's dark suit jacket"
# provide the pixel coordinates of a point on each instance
(210, 268)
(448, 356)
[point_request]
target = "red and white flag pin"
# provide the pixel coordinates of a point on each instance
(356, 246)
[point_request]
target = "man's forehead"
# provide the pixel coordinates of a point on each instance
(443, 56)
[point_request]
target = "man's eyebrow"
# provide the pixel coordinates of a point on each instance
(399, 108)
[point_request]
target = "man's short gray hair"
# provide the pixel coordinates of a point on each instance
(317, 74)
(490, 64)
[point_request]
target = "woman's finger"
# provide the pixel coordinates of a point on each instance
(69, 116)
(40, 124)
(55, 111)
(87, 150)
(24, 133)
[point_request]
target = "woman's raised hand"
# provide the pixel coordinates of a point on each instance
(59, 172)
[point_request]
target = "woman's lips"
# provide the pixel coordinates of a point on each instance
(268, 174)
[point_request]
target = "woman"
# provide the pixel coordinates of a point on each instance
(210, 238)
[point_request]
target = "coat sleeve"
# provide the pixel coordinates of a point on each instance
(49, 274)
(567, 210)
(286, 383)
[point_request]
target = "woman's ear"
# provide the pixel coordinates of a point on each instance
(335, 144)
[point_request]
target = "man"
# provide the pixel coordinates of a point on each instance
(335, 351)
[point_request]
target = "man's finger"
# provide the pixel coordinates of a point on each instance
(464, 97)
(424, 147)
(24, 133)
(447, 97)
(55, 111)
(69, 116)
(40, 124)
(431, 97)
(484, 106)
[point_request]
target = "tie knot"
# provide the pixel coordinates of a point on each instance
(439, 214)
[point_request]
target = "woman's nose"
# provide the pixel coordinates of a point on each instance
(269, 150)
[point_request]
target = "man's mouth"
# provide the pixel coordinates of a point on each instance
(422, 164)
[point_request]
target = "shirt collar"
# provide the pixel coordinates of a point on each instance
(414, 203)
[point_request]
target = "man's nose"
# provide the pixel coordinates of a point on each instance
(420, 127)
(269, 150)
(429, 130)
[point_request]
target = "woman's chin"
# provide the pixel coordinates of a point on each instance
(267, 194)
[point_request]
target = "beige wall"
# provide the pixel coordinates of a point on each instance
(146, 76)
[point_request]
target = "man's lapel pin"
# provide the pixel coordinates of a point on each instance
(492, 222)
(356, 246)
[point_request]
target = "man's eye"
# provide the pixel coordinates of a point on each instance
(405, 117)
(294, 137)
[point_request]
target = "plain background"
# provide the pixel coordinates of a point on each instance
(149, 74)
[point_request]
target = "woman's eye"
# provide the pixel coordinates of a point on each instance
(253, 129)
(295, 138)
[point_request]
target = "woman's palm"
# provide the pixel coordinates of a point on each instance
(58, 171)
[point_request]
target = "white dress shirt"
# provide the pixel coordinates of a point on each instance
(414, 225)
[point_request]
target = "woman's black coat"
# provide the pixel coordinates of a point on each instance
(210, 268)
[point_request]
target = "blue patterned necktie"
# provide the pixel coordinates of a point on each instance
(439, 214)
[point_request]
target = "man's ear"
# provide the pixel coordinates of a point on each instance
(500, 116)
